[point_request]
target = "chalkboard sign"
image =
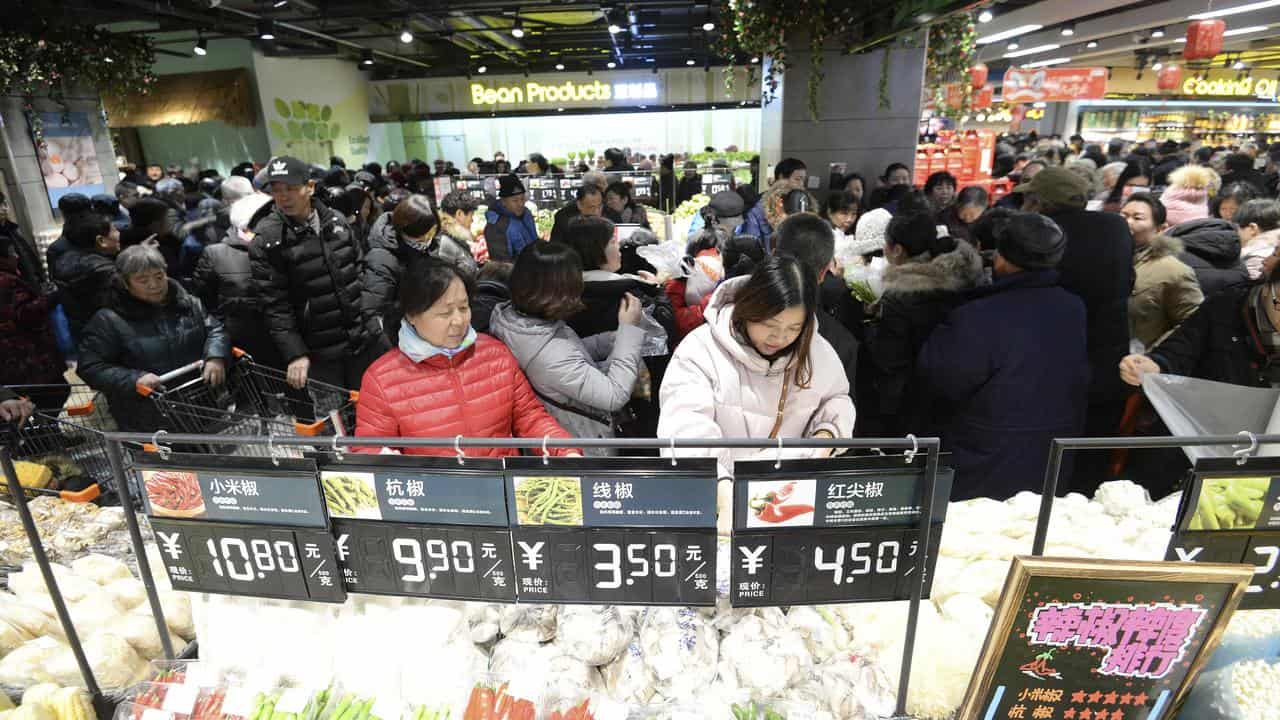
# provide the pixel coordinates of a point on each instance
(613, 530)
(1092, 639)
(1231, 514)
(830, 531)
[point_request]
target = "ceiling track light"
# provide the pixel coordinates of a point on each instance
(406, 35)
(202, 45)
(482, 69)
(611, 64)
(266, 29)
(986, 15)
(279, 4)
(1068, 30)
(1012, 46)
(559, 66)
(690, 62)
(517, 28)
(366, 58)
(1092, 44)
(1157, 33)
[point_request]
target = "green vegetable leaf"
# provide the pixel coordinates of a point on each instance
(282, 108)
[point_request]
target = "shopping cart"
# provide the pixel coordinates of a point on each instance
(66, 436)
(252, 400)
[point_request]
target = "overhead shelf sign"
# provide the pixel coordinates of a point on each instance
(1053, 84)
(536, 93)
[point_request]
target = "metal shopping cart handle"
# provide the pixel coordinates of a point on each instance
(145, 391)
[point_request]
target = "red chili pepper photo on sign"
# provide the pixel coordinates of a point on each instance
(173, 493)
(781, 503)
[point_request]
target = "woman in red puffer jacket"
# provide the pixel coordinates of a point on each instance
(445, 379)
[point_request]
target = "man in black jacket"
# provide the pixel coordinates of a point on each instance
(1097, 266)
(306, 266)
(590, 201)
(809, 239)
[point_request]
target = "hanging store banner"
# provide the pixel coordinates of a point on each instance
(1053, 84)
(68, 158)
(613, 530)
(1231, 514)
(830, 531)
(1088, 639)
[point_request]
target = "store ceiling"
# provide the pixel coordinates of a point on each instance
(1116, 33)
(449, 37)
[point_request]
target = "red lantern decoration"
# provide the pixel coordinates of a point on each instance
(1204, 39)
(1169, 77)
(978, 76)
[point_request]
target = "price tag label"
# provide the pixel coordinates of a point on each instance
(293, 700)
(716, 181)
(249, 560)
(240, 490)
(412, 490)
(426, 560)
(238, 703)
(1232, 515)
(615, 531)
(180, 699)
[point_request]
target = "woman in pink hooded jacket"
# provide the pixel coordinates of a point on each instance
(757, 369)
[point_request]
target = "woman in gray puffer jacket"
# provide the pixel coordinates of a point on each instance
(581, 381)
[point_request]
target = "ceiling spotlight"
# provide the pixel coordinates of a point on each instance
(202, 45)
(755, 61)
(366, 57)
(708, 26)
(1067, 30)
(1092, 44)
(108, 58)
(1239, 64)
(266, 29)
(279, 3)
(406, 35)
(986, 15)
(559, 109)
(612, 64)
(482, 69)
(1157, 33)
(1157, 65)
(559, 66)
(1012, 46)
(517, 28)
(690, 62)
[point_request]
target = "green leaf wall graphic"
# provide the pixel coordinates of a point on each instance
(302, 121)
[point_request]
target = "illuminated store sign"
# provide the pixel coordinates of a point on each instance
(531, 93)
(1249, 86)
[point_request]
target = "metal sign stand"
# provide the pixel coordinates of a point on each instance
(912, 446)
(1052, 473)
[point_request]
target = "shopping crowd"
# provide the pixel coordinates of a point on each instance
(994, 326)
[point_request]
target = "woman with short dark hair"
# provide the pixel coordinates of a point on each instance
(410, 232)
(444, 379)
(581, 380)
(152, 326)
(620, 207)
(940, 188)
(757, 369)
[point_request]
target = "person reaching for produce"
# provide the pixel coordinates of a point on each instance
(152, 326)
(757, 369)
(444, 378)
(581, 380)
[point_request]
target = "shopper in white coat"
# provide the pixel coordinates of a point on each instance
(756, 369)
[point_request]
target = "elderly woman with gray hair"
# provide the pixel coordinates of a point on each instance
(152, 326)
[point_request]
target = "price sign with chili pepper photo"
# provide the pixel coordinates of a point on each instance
(244, 490)
(1231, 514)
(830, 531)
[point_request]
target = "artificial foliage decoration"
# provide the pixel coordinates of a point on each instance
(47, 58)
(882, 92)
(952, 51)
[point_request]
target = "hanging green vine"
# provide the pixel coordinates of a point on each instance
(953, 49)
(882, 95)
(47, 58)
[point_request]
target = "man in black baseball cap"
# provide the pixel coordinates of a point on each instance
(510, 227)
(1023, 335)
(306, 267)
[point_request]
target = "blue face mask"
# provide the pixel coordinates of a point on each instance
(417, 349)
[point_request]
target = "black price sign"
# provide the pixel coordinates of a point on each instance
(249, 560)
(716, 181)
(1100, 639)
(615, 567)
(242, 490)
(1231, 514)
(459, 563)
(830, 531)
(544, 191)
(641, 187)
(615, 530)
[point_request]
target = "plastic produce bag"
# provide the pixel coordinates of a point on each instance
(824, 635)
(856, 687)
(763, 656)
(529, 622)
(629, 678)
(866, 281)
(667, 259)
(706, 274)
(1241, 691)
(680, 647)
(484, 621)
(594, 634)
